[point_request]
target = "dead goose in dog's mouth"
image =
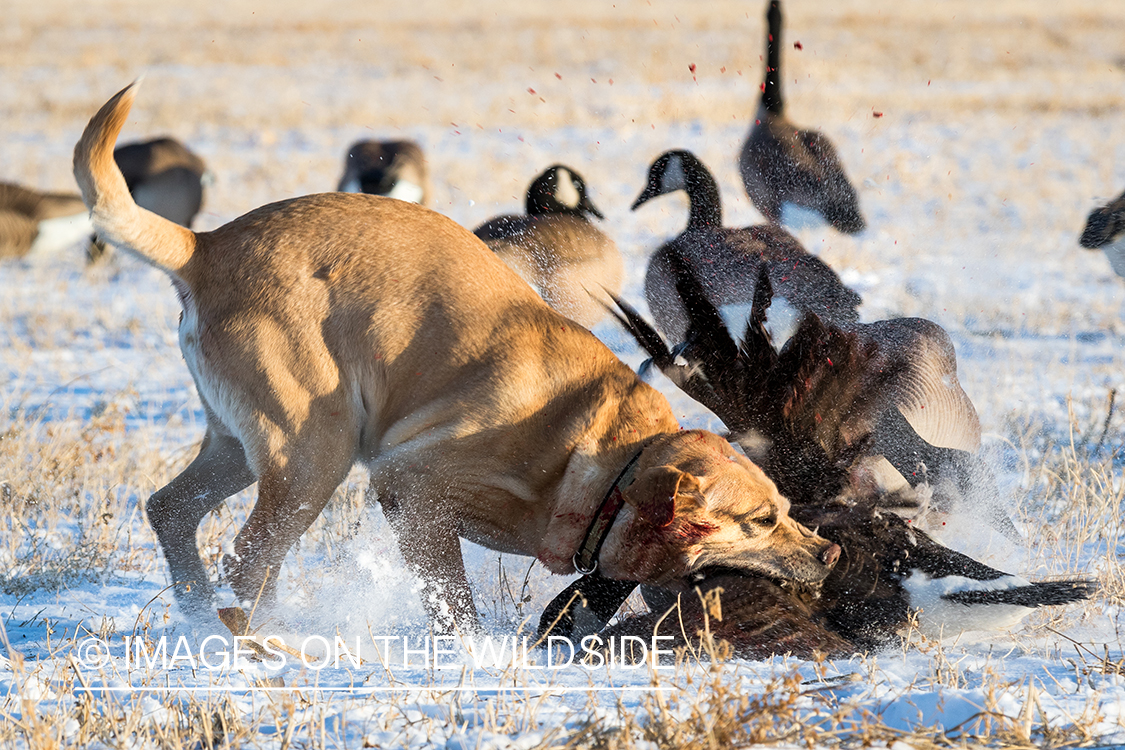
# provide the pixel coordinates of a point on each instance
(889, 576)
(35, 223)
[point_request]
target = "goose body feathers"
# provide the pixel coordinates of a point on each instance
(557, 249)
(727, 259)
(781, 163)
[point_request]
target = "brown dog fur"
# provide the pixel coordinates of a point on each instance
(337, 328)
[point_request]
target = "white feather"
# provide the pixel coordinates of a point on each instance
(672, 179)
(405, 190)
(61, 233)
(566, 192)
(938, 616)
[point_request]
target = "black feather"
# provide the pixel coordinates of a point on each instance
(1042, 594)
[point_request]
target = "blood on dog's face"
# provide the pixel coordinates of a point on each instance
(697, 503)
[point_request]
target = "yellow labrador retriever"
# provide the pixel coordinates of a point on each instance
(337, 328)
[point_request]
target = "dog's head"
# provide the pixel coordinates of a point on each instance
(697, 503)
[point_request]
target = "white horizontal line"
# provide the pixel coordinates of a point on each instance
(370, 690)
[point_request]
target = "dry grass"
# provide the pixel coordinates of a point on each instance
(68, 501)
(1076, 500)
(999, 132)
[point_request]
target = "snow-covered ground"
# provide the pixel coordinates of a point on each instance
(1000, 130)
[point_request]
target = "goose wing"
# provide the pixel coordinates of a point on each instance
(806, 281)
(926, 391)
(505, 227)
(757, 618)
(786, 408)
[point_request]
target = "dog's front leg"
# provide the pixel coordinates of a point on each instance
(431, 548)
(176, 509)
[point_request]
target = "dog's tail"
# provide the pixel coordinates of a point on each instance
(116, 217)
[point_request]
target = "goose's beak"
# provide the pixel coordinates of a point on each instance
(649, 193)
(588, 207)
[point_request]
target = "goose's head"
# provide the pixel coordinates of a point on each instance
(681, 170)
(560, 190)
(671, 172)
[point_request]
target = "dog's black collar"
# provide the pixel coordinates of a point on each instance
(585, 606)
(586, 558)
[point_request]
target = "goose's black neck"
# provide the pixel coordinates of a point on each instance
(703, 196)
(771, 94)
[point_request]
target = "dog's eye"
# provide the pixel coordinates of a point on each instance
(761, 522)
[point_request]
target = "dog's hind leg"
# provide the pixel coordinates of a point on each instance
(431, 548)
(291, 494)
(175, 510)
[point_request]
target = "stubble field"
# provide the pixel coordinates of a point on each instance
(1000, 129)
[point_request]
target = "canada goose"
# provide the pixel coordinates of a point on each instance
(783, 164)
(1105, 228)
(727, 258)
(863, 399)
(889, 576)
(556, 248)
(35, 223)
(396, 169)
(163, 176)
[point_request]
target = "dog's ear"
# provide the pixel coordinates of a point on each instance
(653, 492)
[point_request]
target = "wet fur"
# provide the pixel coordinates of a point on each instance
(863, 604)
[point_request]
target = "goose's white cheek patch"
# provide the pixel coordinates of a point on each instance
(673, 178)
(566, 192)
